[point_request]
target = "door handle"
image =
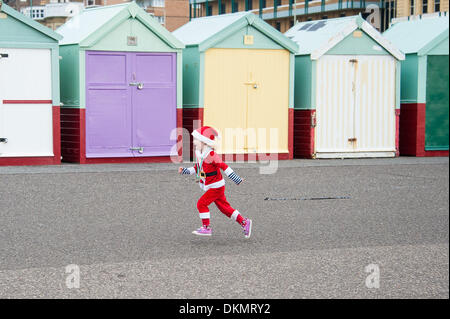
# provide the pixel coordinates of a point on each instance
(254, 84)
(3, 140)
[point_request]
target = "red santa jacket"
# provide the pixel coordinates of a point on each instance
(208, 168)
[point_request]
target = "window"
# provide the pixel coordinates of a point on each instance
(158, 3)
(389, 13)
(342, 15)
(437, 5)
(161, 19)
(425, 6)
(324, 17)
(264, 4)
(278, 3)
(209, 10)
(235, 6)
(249, 4)
(278, 26)
(223, 8)
(412, 7)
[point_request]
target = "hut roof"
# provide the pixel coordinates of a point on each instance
(315, 38)
(205, 32)
(92, 24)
(28, 21)
(419, 35)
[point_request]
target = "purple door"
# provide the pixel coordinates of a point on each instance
(154, 103)
(108, 105)
(130, 103)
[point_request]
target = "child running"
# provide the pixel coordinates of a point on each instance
(207, 169)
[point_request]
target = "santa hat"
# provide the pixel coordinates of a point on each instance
(207, 135)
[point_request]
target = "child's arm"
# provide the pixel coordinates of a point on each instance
(186, 171)
(233, 176)
(227, 170)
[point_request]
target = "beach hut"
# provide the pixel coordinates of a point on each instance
(238, 78)
(347, 90)
(29, 91)
(424, 90)
(120, 87)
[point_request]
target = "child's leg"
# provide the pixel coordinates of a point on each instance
(225, 207)
(202, 205)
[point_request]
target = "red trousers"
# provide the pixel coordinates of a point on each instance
(216, 195)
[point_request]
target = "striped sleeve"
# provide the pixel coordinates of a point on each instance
(188, 171)
(233, 176)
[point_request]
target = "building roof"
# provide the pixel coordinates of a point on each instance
(207, 31)
(92, 24)
(28, 21)
(418, 36)
(315, 38)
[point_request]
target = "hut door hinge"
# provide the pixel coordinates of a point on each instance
(313, 120)
(4, 55)
(139, 149)
(3, 140)
(140, 86)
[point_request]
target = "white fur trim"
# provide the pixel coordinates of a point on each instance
(205, 215)
(235, 215)
(213, 185)
(202, 138)
(228, 171)
(205, 153)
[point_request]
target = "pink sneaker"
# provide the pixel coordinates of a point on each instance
(203, 231)
(247, 228)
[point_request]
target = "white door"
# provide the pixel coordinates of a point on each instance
(355, 106)
(26, 121)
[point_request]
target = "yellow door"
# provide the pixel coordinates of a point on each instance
(246, 99)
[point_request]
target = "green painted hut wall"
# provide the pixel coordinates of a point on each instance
(117, 39)
(191, 77)
(421, 76)
(70, 75)
(236, 40)
(413, 79)
(409, 79)
(440, 49)
(18, 32)
(303, 85)
(437, 107)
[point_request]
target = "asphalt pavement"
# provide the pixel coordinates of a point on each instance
(368, 228)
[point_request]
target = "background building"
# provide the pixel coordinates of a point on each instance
(53, 13)
(170, 13)
(281, 14)
(407, 8)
